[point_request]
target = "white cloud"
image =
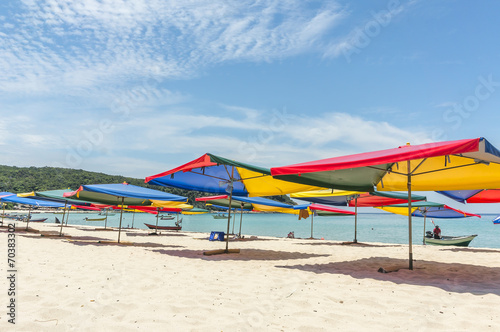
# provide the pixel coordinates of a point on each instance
(88, 43)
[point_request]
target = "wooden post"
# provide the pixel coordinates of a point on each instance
(121, 214)
(64, 213)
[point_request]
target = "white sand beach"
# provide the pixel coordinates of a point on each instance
(274, 284)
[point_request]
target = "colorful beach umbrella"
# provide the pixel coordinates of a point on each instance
(121, 194)
(355, 199)
(4, 194)
(428, 209)
(496, 221)
(213, 174)
(473, 196)
(253, 203)
(322, 210)
(454, 165)
(31, 202)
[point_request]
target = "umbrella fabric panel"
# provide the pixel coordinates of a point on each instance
(328, 196)
(382, 157)
(213, 175)
(329, 209)
(214, 179)
(258, 185)
(453, 165)
(357, 179)
(486, 196)
(30, 201)
(258, 203)
(128, 190)
(107, 199)
(368, 200)
(443, 211)
(459, 195)
(346, 198)
(112, 194)
(443, 173)
(225, 202)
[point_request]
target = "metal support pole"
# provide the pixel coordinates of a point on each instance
(355, 219)
(229, 212)
(157, 215)
(409, 216)
(312, 220)
(425, 217)
(241, 219)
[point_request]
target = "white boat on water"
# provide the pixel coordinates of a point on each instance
(461, 241)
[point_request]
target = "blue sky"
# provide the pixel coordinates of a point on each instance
(138, 87)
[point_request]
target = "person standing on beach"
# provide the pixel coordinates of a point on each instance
(437, 232)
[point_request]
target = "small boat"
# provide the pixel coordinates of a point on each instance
(167, 217)
(496, 221)
(95, 219)
(461, 241)
(220, 216)
(165, 228)
(109, 214)
(38, 220)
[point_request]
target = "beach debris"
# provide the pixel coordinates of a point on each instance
(381, 270)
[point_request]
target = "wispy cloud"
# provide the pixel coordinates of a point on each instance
(361, 35)
(87, 43)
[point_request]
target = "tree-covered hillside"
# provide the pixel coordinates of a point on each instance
(27, 179)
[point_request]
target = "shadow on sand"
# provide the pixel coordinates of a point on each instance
(451, 277)
(122, 244)
(352, 244)
(244, 255)
(153, 234)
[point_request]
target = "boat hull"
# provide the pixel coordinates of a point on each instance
(95, 219)
(164, 228)
(461, 241)
(38, 220)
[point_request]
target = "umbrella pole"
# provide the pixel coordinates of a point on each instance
(241, 219)
(64, 213)
(106, 220)
(234, 220)
(29, 216)
(423, 239)
(312, 219)
(409, 217)
(67, 218)
(355, 219)
(121, 215)
(133, 217)
(3, 213)
(157, 215)
(229, 212)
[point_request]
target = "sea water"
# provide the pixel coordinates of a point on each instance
(371, 227)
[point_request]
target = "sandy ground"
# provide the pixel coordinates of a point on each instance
(274, 284)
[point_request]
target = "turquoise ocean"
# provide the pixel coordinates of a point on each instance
(372, 227)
